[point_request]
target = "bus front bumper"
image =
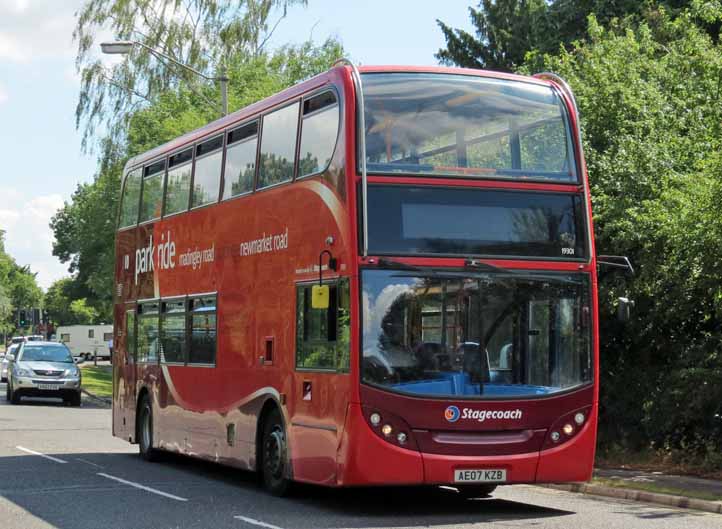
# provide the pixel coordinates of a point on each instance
(366, 459)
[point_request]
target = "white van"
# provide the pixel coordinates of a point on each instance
(87, 341)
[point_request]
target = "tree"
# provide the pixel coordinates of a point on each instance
(82, 313)
(84, 228)
(506, 30)
(204, 34)
(18, 288)
(649, 96)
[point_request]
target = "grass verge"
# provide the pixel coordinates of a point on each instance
(651, 487)
(98, 381)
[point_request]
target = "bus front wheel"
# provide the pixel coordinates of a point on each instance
(145, 432)
(274, 455)
(476, 491)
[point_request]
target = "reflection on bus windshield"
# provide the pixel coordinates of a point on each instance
(489, 335)
(462, 125)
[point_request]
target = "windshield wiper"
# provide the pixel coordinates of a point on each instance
(486, 267)
(389, 263)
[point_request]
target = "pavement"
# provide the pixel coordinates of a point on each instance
(60, 467)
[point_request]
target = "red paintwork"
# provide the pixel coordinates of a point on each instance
(330, 440)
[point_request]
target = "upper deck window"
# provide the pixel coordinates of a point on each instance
(457, 125)
(130, 200)
(278, 146)
(319, 130)
(207, 175)
(241, 160)
(152, 200)
(178, 187)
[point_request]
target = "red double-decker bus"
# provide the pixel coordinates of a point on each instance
(443, 215)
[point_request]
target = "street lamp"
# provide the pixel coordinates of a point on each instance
(123, 47)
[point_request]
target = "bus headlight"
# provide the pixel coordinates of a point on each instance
(568, 429)
(579, 418)
(389, 427)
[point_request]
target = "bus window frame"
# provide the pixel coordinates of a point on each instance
(330, 282)
(161, 312)
(570, 143)
(167, 170)
(142, 188)
(218, 134)
(320, 91)
(118, 229)
(189, 329)
(138, 316)
(294, 101)
(257, 136)
(132, 309)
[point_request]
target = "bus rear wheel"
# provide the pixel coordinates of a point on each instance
(476, 491)
(274, 455)
(145, 431)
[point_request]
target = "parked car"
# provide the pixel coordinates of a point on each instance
(43, 369)
(5, 361)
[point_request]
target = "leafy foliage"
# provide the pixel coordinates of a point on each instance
(205, 35)
(649, 96)
(18, 288)
(84, 228)
(506, 30)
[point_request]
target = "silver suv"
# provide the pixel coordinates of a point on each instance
(43, 369)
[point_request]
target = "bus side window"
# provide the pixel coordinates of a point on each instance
(207, 172)
(152, 194)
(130, 200)
(130, 336)
(319, 130)
(323, 335)
(178, 187)
(278, 146)
(147, 335)
(173, 332)
(240, 160)
(202, 318)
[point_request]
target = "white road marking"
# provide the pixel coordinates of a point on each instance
(142, 487)
(257, 522)
(33, 452)
(88, 462)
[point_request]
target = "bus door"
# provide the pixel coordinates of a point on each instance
(124, 394)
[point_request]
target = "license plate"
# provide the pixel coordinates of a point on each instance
(486, 475)
(48, 386)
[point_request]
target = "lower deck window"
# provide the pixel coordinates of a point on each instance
(148, 337)
(202, 319)
(323, 335)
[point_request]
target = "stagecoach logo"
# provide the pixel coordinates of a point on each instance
(453, 414)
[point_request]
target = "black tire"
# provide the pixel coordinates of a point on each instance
(145, 431)
(14, 397)
(476, 491)
(75, 400)
(274, 455)
(7, 392)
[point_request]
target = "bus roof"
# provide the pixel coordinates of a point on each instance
(296, 90)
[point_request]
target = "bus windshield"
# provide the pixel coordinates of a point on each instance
(466, 335)
(458, 125)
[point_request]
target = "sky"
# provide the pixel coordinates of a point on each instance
(42, 163)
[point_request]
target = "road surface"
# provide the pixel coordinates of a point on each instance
(60, 467)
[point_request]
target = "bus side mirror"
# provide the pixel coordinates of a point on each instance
(10, 357)
(624, 309)
(319, 297)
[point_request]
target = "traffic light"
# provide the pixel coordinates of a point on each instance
(36, 316)
(21, 319)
